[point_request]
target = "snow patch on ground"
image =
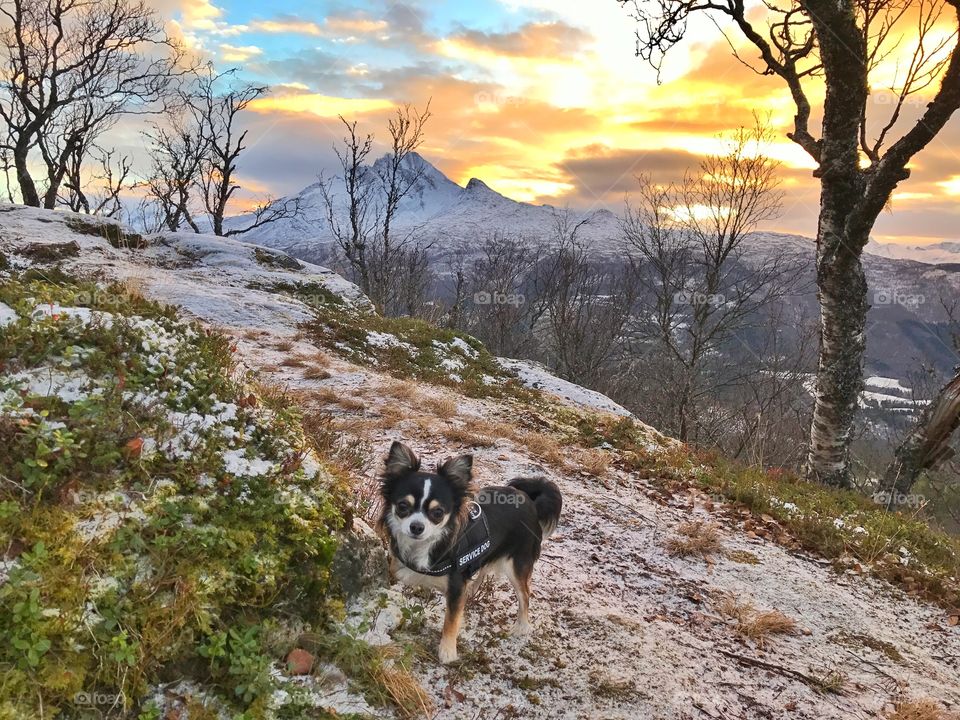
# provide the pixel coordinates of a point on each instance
(7, 315)
(884, 382)
(387, 340)
(221, 281)
(534, 375)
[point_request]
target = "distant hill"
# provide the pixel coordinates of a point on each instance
(941, 253)
(905, 325)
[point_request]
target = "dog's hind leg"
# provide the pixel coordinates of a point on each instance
(456, 599)
(519, 575)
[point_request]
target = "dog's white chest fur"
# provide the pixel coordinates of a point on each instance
(415, 553)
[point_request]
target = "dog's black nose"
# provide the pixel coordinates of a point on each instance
(416, 528)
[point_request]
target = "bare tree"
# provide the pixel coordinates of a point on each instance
(397, 176)
(71, 68)
(764, 412)
(588, 303)
(101, 194)
(216, 104)
(927, 445)
(362, 220)
(352, 233)
(458, 274)
(177, 150)
(503, 308)
(699, 297)
(836, 44)
(411, 282)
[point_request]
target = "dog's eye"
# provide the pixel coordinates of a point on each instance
(436, 515)
(403, 507)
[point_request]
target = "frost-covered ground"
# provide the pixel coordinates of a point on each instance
(622, 628)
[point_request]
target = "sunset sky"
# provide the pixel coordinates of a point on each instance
(543, 100)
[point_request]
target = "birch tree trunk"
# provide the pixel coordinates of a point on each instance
(841, 284)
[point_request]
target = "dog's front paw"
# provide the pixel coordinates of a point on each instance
(521, 629)
(448, 653)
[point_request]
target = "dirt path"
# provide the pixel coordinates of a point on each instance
(622, 628)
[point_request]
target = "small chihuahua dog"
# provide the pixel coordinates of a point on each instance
(445, 535)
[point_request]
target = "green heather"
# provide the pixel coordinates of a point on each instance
(166, 521)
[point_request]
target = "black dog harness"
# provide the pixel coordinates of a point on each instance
(467, 553)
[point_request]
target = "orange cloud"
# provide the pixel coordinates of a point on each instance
(333, 26)
(534, 40)
(318, 105)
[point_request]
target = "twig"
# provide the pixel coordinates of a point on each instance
(789, 672)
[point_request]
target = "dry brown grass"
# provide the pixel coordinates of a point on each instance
(391, 415)
(401, 685)
(334, 441)
(595, 462)
(283, 345)
(695, 538)
(922, 709)
(330, 396)
(761, 625)
(293, 361)
(410, 697)
(729, 606)
(325, 396)
(544, 447)
(832, 680)
(399, 389)
(426, 426)
(756, 625)
(443, 406)
(321, 359)
(314, 372)
(494, 430)
(133, 286)
(465, 435)
(348, 402)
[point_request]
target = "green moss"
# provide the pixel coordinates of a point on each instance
(111, 232)
(141, 554)
(276, 259)
(313, 294)
(744, 557)
(858, 641)
(411, 348)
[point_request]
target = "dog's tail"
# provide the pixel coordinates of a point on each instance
(546, 499)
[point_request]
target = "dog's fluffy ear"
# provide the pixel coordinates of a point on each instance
(401, 459)
(458, 470)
